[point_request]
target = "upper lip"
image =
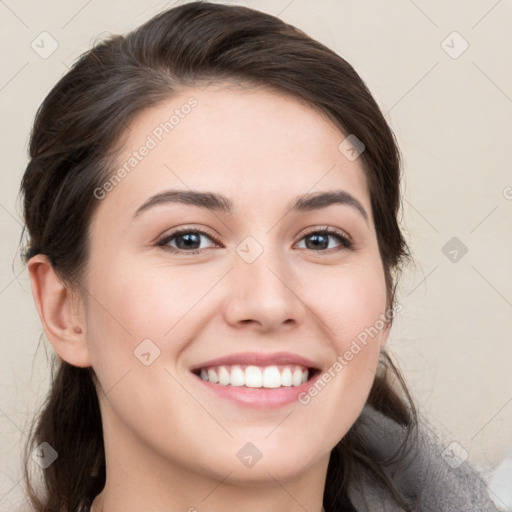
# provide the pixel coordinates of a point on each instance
(258, 359)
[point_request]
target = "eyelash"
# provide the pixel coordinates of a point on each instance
(345, 242)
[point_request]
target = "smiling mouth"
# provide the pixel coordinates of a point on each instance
(251, 376)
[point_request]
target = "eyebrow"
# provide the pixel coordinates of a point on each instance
(220, 203)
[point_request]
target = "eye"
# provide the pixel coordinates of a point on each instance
(188, 240)
(319, 239)
(185, 239)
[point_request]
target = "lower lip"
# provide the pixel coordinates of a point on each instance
(260, 398)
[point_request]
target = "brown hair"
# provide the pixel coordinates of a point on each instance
(72, 145)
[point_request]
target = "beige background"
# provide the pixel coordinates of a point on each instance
(452, 117)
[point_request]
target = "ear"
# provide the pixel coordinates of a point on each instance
(60, 313)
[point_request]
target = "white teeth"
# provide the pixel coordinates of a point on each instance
(237, 376)
(286, 377)
(212, 375)
(271, 377)
(256, 377)
(297, 377)
(223, 376)
(253, 377)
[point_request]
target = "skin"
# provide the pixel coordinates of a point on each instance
(171, 445)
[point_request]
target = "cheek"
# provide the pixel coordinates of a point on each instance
(143, 302)
(133, 310)
(350, 302)
(352, 307)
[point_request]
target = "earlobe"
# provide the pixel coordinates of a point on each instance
(62, 321)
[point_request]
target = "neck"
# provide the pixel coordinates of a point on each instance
(221, 498)
(98, 505)
(140, 479)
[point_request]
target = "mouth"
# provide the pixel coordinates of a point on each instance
(254, 376)
(257, 380)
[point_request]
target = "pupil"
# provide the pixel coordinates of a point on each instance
(190, 239)
(315, 239)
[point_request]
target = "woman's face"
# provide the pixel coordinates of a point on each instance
(259, 284)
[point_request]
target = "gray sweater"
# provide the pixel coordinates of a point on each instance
(441, 480)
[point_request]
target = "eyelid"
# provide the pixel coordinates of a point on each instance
(329, 229)
(163, 239)
(345, 238)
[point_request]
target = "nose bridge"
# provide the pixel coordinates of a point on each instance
(261, 285)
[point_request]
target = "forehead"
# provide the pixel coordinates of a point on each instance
(254, 145)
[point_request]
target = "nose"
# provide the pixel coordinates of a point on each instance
(262, 294)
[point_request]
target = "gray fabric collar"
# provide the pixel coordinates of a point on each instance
(424, 478)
